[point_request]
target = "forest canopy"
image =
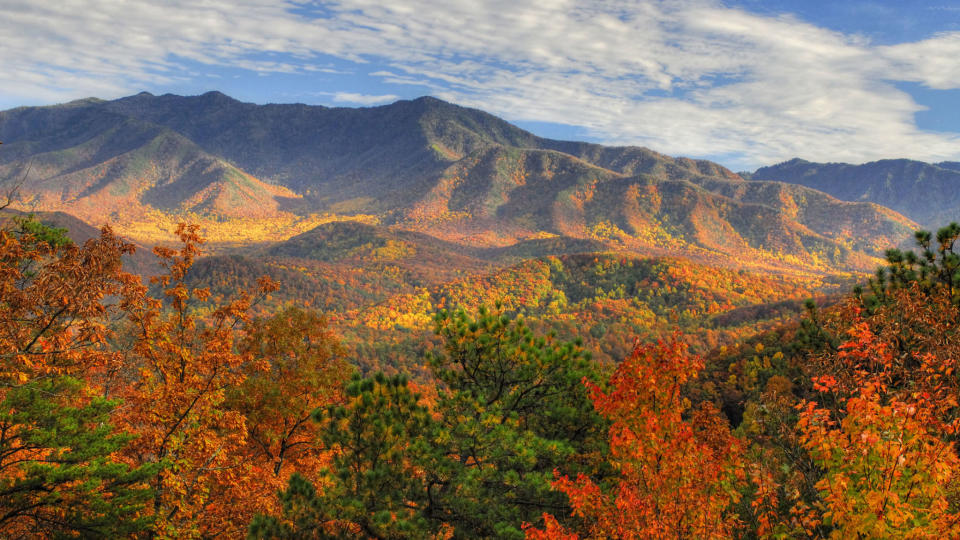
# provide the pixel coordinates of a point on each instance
(161, 410)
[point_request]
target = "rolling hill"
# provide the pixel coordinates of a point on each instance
(347, 265)
(382, 287)
(604, 299)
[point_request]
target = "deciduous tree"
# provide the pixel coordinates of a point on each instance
(180, 369)
(678, 467)
(58, 473)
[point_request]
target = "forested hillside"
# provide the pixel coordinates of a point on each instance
(924, 192)
(166, 411)
(264, 173)
(384, 287)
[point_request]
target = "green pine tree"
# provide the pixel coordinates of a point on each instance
(57, 476)
(512, 408)
(374, 487)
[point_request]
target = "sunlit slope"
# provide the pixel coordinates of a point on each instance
(102, 166)
(382, 288)
(141, 261)
(256, 173)
(605, 299)
(346, 265)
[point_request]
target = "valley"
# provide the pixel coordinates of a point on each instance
(381, 216)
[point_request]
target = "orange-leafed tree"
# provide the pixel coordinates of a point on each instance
(122, 413)
(295, 367)
(59, 475)
(678, 466)
(180, 368)
(884, 437)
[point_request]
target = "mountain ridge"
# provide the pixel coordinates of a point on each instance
(459, 174)
(925, 192)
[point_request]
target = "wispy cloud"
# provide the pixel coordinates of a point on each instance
(363, 99)
(689, 77)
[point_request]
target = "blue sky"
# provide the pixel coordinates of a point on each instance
(746, 83)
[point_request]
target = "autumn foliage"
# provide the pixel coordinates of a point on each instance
(60, 474)
(121, 410)
(885, 436)
(677, 467)
(133, 409)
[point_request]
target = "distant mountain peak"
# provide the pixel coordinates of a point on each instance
(83, 102)
(792, 162)
(215, 95)
(431, 100)
(952, 165)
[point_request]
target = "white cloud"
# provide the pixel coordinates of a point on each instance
(933, 62)
(363, 99)
(689, 77)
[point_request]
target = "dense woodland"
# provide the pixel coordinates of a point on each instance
(158, 410)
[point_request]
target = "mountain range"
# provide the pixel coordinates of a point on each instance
(928, 193)
(256, 173)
